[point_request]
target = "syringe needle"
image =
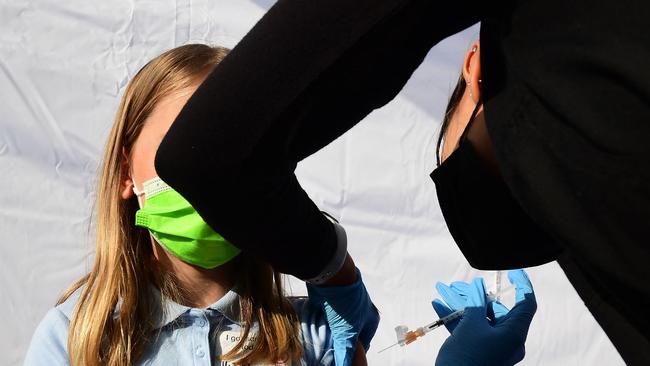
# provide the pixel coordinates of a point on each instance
(404, 336)
(391, 346)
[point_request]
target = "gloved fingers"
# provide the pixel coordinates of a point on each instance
(443, 310)
(520, 316)
(473, 318)
(523, 286)
(497, 310)
(453, 299)
(465, 289)
(461, 294)
(461, 288)
(475, 341)
(476, 295)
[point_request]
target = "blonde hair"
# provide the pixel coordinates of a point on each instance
(124, 268)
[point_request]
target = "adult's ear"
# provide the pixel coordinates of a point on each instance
(472, 71)
(126, 183)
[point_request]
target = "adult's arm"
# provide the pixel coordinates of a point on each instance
(306, 73)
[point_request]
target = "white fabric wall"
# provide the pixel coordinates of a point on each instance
(63, 66)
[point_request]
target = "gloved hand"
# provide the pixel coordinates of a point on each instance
(350, 314)
(455, 295)
(477, 340)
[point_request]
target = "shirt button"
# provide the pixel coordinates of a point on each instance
(200, 353)
(202, 323)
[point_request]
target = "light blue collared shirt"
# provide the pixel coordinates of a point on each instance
(185, 335)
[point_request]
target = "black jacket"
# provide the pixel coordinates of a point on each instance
(567, 103)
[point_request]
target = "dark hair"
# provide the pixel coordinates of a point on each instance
(454, 100)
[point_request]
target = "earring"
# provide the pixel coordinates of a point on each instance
(474, 49)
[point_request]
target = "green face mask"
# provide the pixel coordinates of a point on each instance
(176, 225)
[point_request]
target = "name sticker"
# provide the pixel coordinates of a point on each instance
(228, 339)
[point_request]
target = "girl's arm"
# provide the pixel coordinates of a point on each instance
(49, 342)
(350, 315)
(360, 356)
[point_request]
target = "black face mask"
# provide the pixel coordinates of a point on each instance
(487, 223)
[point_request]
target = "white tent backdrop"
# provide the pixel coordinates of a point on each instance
(63, 66)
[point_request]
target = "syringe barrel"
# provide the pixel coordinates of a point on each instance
(453, 316)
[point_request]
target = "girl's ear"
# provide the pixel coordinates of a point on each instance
(472, 71)
(126, 186)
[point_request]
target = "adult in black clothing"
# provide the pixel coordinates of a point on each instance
(566, 92)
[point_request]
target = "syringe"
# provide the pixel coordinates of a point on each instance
(404, 336)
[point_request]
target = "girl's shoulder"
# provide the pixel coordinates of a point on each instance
(49, 344)
(67, 307)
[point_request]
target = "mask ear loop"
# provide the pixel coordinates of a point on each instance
(137, 193)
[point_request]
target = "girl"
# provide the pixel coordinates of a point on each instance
(165, 288)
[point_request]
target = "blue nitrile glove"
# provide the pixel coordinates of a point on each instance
(455, 295)
(475, 340)
(350, 314)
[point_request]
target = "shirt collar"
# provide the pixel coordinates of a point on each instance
(167, 310)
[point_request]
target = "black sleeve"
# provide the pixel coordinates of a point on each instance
(306, 73)
(567, 91)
